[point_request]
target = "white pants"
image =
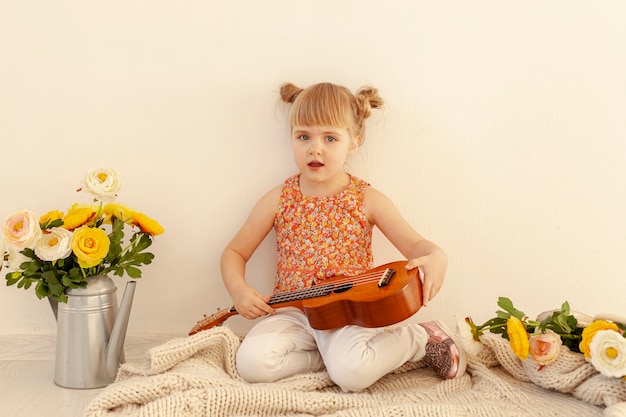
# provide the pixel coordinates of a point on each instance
(355, 357)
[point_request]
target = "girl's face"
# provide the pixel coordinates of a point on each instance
(320, 153)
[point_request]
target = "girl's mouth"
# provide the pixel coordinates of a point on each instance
(315, 164)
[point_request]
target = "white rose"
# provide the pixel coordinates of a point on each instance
(102, 183)
(57, 244)
(21, 230)
(608, 353)
(471, 345)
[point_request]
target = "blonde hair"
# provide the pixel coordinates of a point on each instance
(327, 104)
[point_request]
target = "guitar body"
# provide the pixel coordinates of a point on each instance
(380, 297)
(367, 305)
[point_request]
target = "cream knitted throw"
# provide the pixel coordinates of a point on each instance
(196, 376)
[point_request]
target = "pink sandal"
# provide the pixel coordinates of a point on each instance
(444, 353)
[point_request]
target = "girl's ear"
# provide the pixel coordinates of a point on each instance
(356, 142)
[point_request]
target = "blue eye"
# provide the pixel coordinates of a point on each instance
(331, 139)
(303, 137)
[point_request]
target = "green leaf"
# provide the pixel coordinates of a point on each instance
(13, 277)
(49, 276)
(75, 274)
(52, 282)
(503, 314)
(57, 289)
(50, 224)
(29, 253)
(144, 242)
(61, 298)
(30, 268)
(572, 323)
(25, 283)
(41, 290)
(65, 280)
(509, 310)
(133, 272)
(143, 259)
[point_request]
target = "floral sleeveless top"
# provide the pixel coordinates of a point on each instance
(319, 237)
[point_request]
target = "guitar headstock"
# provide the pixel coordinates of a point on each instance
(214, 320)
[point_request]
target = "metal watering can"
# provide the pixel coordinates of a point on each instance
(91, 333)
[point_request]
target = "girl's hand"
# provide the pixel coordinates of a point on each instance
(433, 266)
(250, 304)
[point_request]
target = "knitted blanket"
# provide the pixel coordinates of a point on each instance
(196, 376)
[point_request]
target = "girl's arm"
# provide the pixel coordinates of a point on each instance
(421, 253)
(247, 301)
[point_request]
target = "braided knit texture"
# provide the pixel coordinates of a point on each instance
(570, 373)
(196, 376)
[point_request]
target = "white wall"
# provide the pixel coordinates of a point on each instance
(503, 137)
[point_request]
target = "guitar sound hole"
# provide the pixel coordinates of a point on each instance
(343, 288)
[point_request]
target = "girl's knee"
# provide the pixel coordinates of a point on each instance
(269, 362)
(351, 378)
(252, 365)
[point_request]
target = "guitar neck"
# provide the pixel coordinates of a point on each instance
(294, 297)
(367, 286)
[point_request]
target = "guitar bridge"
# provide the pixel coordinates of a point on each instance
(387, 275)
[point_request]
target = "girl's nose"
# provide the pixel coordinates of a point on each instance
(315, 147)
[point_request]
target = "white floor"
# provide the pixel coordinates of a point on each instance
(27, 386)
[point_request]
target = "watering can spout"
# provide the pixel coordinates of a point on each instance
(115, 347)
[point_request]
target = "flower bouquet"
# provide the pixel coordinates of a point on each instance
(58, 251)
(561, 349)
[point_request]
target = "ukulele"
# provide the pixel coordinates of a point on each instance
(379, 297)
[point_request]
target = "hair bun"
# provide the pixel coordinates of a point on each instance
(289, 92)
(367, 98)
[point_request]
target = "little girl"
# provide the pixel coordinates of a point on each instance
(323, 218)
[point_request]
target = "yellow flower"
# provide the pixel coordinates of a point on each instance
(78, 215)
(90, 245)
(518, 337)
(118, 210)
(590, 331)
(147, 225)
(51, 216)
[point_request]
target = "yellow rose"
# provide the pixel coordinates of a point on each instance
(51, 216)
(90, 245)
(78, 215)
(518, 337)
(590, 331)
(118, 210)
(147, 225)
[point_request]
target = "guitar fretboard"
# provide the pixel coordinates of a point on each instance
(325, 289)
(302, 294)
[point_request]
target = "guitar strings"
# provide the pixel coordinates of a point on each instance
(310, 292)
(326, 287)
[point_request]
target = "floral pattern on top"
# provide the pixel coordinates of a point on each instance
(320, 237)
